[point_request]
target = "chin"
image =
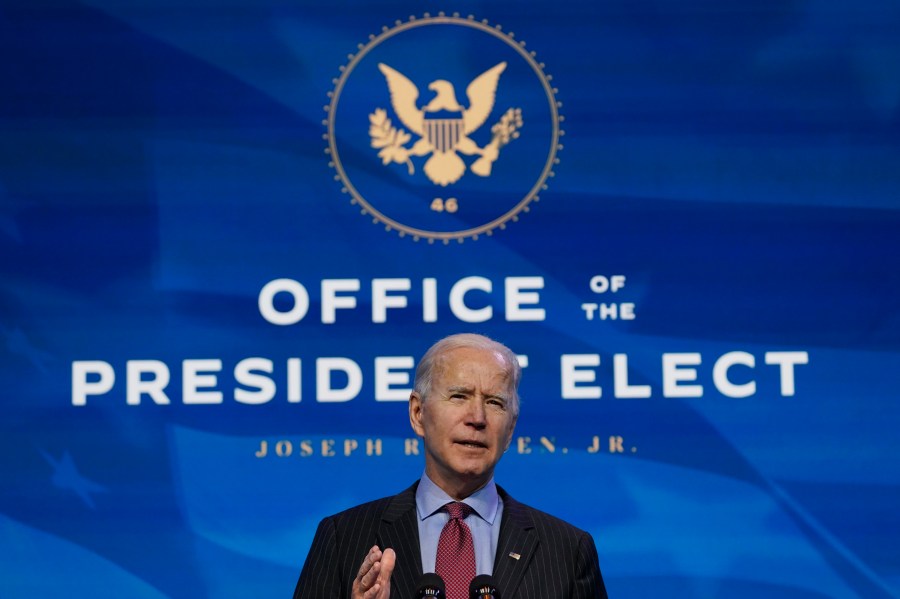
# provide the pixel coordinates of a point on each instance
(473, 472)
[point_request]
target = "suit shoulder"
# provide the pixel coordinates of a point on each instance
(363, 510)
(545, 524)
(388, 507)
(546, 520)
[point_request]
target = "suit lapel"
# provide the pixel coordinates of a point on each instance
(399, 530)
(516, 546)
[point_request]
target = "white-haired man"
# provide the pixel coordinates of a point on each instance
(455, 520)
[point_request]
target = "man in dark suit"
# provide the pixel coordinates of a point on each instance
(464, 406)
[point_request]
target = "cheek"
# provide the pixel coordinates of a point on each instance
(504, 431)
(437, 426)
(511, 427)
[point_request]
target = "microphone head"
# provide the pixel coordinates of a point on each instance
(431, 585)
(483, 587)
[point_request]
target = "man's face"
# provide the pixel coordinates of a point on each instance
(466, 421)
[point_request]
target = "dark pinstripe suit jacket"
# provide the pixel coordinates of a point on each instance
(556, 560)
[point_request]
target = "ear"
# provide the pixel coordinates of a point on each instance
(416, 405)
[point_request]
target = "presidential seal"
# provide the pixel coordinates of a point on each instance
(443, 128)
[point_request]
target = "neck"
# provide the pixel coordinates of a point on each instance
(456, 488)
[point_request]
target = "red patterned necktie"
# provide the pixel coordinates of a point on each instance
(456, 552)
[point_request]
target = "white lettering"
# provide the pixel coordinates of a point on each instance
(574, 371)
(786, 360)
(193, 380)
(258, 380)
(81, 387)
(325, 392)
(458, 303)
(620, 379)
(720, 374)
(386, 377)
(429, 300)
(331, 301)
(266, 302)
(381, 301)
(674, 373)
(601, 284)
(137, 386)
(609, 311)
(517, 296)
(293, 382)
(247, 373)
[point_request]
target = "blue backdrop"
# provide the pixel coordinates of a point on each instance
(227, 232)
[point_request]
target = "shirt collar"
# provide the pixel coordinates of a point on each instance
(430, 498)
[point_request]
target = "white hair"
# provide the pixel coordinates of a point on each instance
(434, 355)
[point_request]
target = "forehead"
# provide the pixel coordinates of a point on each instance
(472, 366)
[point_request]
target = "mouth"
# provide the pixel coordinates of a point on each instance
(471, 444)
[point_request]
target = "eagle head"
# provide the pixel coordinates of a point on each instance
(445, 97)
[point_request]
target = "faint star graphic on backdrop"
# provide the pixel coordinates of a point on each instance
(66, 477)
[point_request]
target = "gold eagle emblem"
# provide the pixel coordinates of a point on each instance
(443, 126)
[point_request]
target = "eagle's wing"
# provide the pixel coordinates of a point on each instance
(404, 94)
(481, 93)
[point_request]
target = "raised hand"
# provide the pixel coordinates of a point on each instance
(373, 581)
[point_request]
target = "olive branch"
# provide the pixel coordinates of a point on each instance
(507, 128)
(389, 140)
(503, 131)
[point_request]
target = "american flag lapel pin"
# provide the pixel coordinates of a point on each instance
(514, 555)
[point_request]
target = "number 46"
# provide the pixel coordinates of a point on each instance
(449, 205)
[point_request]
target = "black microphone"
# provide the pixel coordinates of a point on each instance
(431, 585)
(483, 587)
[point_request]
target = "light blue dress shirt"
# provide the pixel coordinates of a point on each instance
(484, 522)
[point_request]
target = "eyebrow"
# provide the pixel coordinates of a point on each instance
(460, 389)
(470, 391)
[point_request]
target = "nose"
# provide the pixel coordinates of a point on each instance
(477, 416)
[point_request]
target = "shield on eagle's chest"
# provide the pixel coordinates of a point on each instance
(443, 129)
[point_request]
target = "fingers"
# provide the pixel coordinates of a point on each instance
(388, 560)
(373, 592)
(368, 581)
(368, 571)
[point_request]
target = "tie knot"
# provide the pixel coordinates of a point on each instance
(458, 510)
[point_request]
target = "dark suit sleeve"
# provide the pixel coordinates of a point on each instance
(588, 583)
(319, 578)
